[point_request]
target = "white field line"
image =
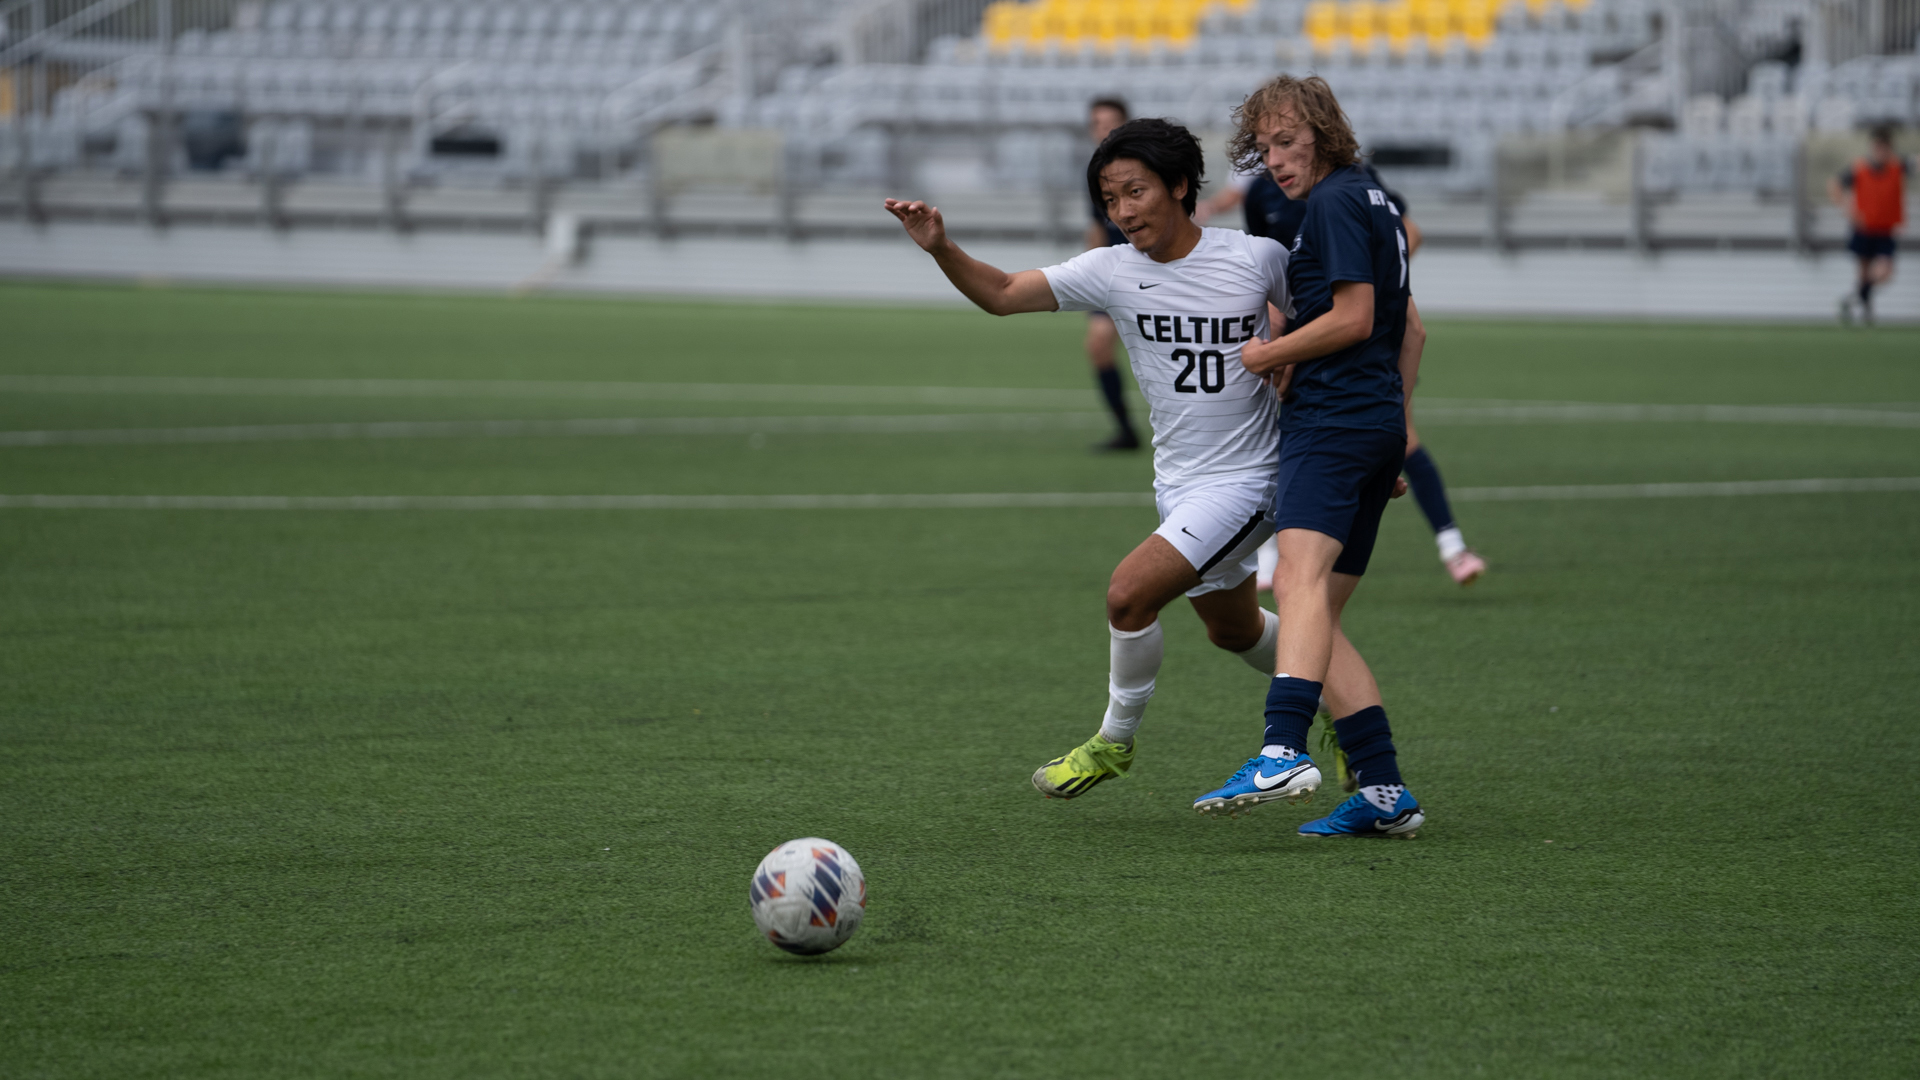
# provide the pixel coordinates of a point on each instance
(1433, 411)
(523, 388)
(1008, 500)
(500, 429)
(1711, 489)
(1440, 411)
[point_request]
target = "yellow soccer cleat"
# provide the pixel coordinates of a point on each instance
(1097, 759)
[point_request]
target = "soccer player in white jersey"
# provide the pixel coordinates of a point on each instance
(1185, 299)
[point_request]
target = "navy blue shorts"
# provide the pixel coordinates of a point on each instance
(1871, 246)
(1337, 481)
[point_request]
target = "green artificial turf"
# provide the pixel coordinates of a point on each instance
(424, 794)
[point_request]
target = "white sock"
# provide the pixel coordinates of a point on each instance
(1450, 541)
(1383, 796)
(1278, 752)
(1135, 661)
(1261, 657)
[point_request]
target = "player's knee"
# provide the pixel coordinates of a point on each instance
(1298, 577)
(1235, 639)
(1128, 607)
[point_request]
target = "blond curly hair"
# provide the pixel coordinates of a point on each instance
(1311, 101)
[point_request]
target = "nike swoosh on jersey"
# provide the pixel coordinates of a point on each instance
(1155, 285)
(1268, 783)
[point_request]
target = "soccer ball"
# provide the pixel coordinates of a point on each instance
(808, 896)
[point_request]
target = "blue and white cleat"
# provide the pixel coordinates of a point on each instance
(1359, 817)
(1262, 779)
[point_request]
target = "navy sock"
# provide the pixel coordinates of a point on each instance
(1368, 741)
(1424, 477)
(1110, 388)
(1866, 292)
(1291, 704)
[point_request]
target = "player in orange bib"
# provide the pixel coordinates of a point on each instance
(1872, 191)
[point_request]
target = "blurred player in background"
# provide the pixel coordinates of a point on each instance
(1344, 424)
(1872, 192)
(1269, 212)
(1186, 301)
(1103, 116)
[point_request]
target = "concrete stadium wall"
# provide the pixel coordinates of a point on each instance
(1610, 284)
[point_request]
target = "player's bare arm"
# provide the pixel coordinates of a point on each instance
(1411, 348)
(995, 291)
(1348, 323)
(1843, 199)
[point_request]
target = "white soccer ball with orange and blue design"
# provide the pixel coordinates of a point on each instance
(808, 896)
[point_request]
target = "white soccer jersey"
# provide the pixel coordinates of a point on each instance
(1183, 323)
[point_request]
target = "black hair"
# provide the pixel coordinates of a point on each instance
(1113, 103)
(1168, 150)
(1882, 133)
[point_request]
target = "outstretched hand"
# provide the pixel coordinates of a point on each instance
(923, 222)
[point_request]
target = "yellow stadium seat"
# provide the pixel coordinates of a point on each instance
(1477, 29)
(1050, 22)
(1006, 27)
(1396, 20)
(1325, 24)
(1110, 24)
(1433, 21)
(1085, 21)
(1363, 24)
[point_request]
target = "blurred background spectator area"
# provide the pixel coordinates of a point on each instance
(1511, 123)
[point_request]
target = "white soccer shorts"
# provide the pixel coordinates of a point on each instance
(1218, 525)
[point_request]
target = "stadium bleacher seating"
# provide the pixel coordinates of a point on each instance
(533, 72)
(559, 89)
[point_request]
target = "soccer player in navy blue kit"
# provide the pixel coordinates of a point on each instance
(1269, 212)
(1103, 116)
(1344, 441)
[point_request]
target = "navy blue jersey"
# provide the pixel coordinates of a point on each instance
(1352, 232)
(1271, 214)
(1114, 235)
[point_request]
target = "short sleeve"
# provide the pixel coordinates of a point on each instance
(1083, 282)
(1340, 230)
(1272, 257)
(1846, 179)
(1398, 200)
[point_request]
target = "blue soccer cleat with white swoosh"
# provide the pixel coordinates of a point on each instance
(1363, 816)
(1262, 779)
